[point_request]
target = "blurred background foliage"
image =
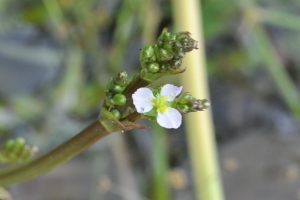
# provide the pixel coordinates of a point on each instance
(57, 55)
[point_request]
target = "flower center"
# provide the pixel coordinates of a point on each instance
(160, 103)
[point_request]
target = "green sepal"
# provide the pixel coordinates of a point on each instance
(151, 118)
(111, 124)
(151, 113)
(156, 90)
(116, 113)
(149, 76)
(109, 101)
(108, 120)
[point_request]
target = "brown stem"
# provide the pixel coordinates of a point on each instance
(131, 88)
(91, 134)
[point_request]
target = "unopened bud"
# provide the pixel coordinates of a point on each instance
(185, 98)
(116, 113)
(183, 108)
(164, 55)
(117, 89)
(153, 67)
(9, 144)
(147, 52)
(18, 144)
(121, 79)
(205, 103)
(119, 99)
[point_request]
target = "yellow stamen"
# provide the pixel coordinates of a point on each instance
(160, 103)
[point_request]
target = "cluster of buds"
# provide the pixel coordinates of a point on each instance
(113, 93)
(187, 103)
(129, 101)
(165, 57)
(16, 150)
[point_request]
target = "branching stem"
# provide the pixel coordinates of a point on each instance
(91, 134)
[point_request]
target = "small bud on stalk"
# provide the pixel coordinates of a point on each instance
(16, 150)
(187, 103)
(167, 55)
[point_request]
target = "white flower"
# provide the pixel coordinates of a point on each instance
(167, 117)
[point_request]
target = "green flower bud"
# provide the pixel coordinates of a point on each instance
(147, 52)
(199, 105)
(180, 53)
(19, 144)
(118, 89)
(153, 67)
(116, 113)
(110, 102)
(110, 84)
(9, 144)
(194, 106)
(205, 103)
(175, 63)
(108, 94)
(183, 108)
(185, 98)
(168, 53)
(122, 75)
(15, 150)
(172, 37)
(187, 43)
(119, 99)
(164, 55)
(121, 79)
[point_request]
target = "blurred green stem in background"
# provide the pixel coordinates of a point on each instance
(159, 187)
(278, 18)
(4, 195)
(54, 11)
(271, 59)
(66, 95)
(124, 29)
(199, 126)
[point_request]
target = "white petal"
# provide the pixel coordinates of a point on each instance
(171, 91)
(142, 100)
(169, 119)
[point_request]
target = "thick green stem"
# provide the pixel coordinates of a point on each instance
(160, 190)
(200, 130)
(271, 59)
(91, 134)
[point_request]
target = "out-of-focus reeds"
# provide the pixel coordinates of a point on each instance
(199, 126)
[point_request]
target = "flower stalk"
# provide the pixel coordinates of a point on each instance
(121, 108)
(60, 154)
